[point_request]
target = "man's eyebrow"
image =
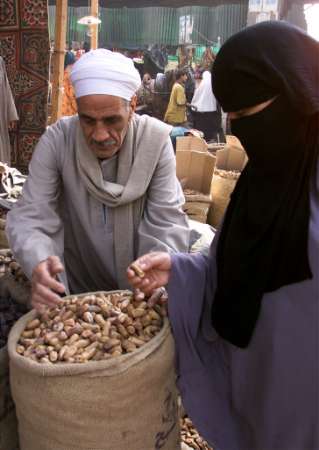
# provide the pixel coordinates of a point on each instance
(86, 116)
(114, 117)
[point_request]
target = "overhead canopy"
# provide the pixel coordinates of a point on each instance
(171, 3)
(145, 3)
(286, 4)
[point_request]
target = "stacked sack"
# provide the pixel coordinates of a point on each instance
(196, 205)
(230, 162)
(10, 312)
(194, 168)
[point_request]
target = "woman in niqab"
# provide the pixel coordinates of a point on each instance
(246, 319)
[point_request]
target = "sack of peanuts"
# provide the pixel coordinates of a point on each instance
(8, 421)
(13, 281)
(96, 372)
(191, 440)
(10, 311)
(3, 237)
(223, 184)
(229, 164)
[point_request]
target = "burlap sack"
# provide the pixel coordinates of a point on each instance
(19, 292)
(197, 210)
(127, 403)
(3, 237)
(222, 186)
(8, 421)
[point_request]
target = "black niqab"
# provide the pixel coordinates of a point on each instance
(263, 243)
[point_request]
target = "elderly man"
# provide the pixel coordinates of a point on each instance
(101, 190)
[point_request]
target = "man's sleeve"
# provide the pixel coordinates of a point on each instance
(34, 227)
(164, 226)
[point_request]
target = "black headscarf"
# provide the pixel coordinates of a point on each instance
(263, 243)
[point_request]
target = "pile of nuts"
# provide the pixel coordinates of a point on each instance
(228, 174)
(188, 191)
(9, 265)
(93, 327)
(10, 312)
(190, 436)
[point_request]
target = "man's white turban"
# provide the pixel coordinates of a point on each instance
(104, 72)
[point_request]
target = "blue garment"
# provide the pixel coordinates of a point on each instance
(176, 132)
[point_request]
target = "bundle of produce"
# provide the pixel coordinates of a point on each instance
(190, 436)
(106, 362)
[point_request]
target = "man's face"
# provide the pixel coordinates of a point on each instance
(146, 79)
(104, 121)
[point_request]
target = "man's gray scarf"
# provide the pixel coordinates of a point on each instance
(137, 161)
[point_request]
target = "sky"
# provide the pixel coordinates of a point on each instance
(312, 18)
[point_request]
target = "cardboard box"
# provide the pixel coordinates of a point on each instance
(194, 143)
(195, 170)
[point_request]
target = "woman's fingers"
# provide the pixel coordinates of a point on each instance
(155, 260)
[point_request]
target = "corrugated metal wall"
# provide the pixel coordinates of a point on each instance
(140, 27)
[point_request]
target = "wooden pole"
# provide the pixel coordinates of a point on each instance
(58, 58)
(94, 29)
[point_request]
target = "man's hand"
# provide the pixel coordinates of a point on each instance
(45, 284)
(12, 125)
(156, 267)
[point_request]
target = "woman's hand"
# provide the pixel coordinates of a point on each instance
(156, 267)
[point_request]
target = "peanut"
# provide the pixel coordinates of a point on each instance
(137, 270)
(33, 324)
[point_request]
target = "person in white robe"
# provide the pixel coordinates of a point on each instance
(206, 112)
(8, 114)
(101, 190)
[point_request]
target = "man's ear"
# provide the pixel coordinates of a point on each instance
(133, 103)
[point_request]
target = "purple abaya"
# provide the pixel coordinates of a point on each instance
(263, 397)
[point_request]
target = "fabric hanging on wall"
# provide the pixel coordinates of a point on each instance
(24, 45)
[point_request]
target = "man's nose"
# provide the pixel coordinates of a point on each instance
(100, 132)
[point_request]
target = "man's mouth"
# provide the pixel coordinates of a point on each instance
(104, 144)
